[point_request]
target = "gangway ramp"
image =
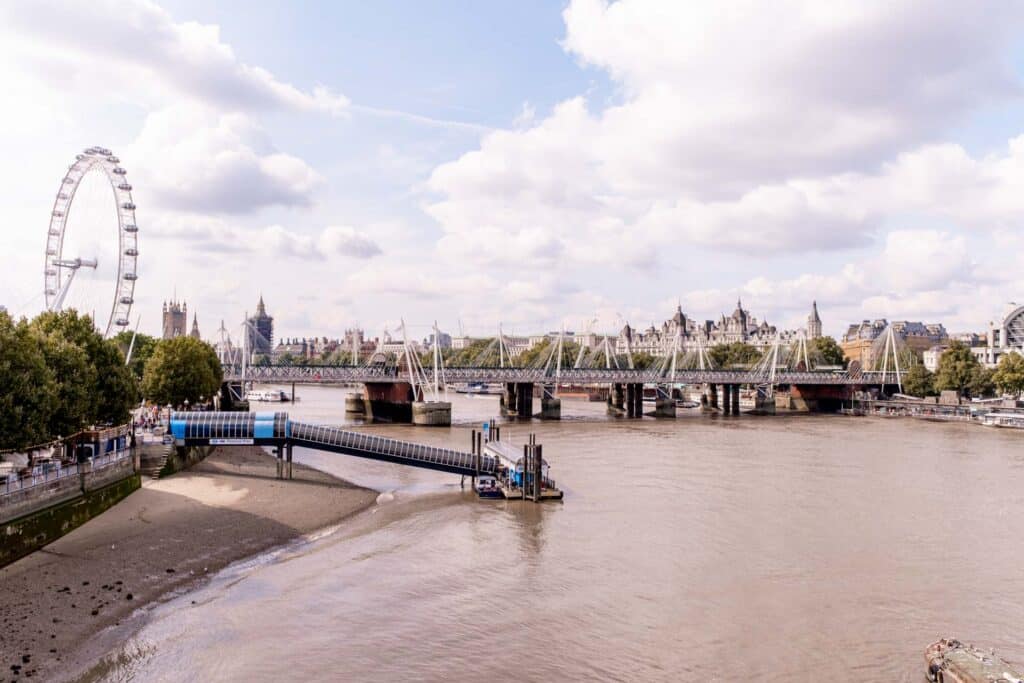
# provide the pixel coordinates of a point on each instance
(374, 447)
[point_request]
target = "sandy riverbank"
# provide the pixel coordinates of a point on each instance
(162, 538)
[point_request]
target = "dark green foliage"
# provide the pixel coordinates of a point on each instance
(960, 371)
(143, 349)
(1009, 375)
(28, 390)
(733, 355)
(181, 369)
(111, 388)
(918, 381)
(827, 351)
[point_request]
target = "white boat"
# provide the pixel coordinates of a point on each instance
(266, 396)
(1005, 420)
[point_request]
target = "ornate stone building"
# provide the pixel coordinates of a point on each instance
(261, 331)
(175, 320)
(741, 326)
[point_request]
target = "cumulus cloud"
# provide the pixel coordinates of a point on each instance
(191, 158)
(739, 128)
(138, 43)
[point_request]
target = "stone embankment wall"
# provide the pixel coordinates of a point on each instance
(184, 458)
(45, 513)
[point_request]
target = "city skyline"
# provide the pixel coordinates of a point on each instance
(540, 166)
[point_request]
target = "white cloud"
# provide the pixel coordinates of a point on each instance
(137, 43)
(190, 158)
(737, 128)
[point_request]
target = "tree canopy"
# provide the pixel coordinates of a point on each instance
(918, 381)
(181, 369)
(1009, 374)
(827, 351)
(736, 353)
(28, 389)
(57, 376)
(960, 371)
(141, 351)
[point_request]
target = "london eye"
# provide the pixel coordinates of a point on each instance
(92, 251)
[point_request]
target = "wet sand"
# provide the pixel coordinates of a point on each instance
(58, 605)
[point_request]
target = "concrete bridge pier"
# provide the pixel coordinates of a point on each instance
(713, 396)
(665, 404)
(735, 399)
(355, 405)
(617, 400)
(389, 402)
(432, 413)
(634, 400)
(550, 406)
(508, 403)
(727, 399)
(524, 399)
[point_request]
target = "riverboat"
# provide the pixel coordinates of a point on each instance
(487, 487)
(1005, 420)
(477, 389)
(950, 661)
(266, 396)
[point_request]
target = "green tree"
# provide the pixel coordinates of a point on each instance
(1009, 374)
(982, 382)
(112, 387)
(181, 369)
(28, 390)
(538, 354)
(141, 351)
(827, 351)
(467, 356)
(918, 381)
(958, 370)
(736, 353)
(642, 360)
(76, 381)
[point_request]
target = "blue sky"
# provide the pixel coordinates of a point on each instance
(531, 162)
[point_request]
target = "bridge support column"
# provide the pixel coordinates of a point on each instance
(713, 396)
(524, 399)
(389, 402)
(550, 406)
(665, 406)
(617, 400)
(735, 399)
(508, 403)
(432, 413)
(288, 455)
(727, 399)
(638, 400)
(355, 404)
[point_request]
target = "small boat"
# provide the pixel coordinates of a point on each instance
(487, 487)
(477, 389)
(950, 661)
(1005, 420)
(266, 396)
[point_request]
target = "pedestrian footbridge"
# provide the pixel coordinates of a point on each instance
(278, 431)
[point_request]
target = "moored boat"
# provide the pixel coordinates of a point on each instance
(266, 396)
(1005, 420)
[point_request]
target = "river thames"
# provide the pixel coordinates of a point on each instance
(800, 548)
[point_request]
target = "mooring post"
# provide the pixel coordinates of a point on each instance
(293, 393)
(538, 472)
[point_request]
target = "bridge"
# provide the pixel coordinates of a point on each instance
(276, 430)
(407, 387)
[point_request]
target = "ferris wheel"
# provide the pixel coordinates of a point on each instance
(83, 249)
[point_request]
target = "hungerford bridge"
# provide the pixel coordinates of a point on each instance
(400, 388)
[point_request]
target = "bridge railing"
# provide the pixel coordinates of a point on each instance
(362, 374)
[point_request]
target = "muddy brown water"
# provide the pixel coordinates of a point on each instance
(809, 548)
